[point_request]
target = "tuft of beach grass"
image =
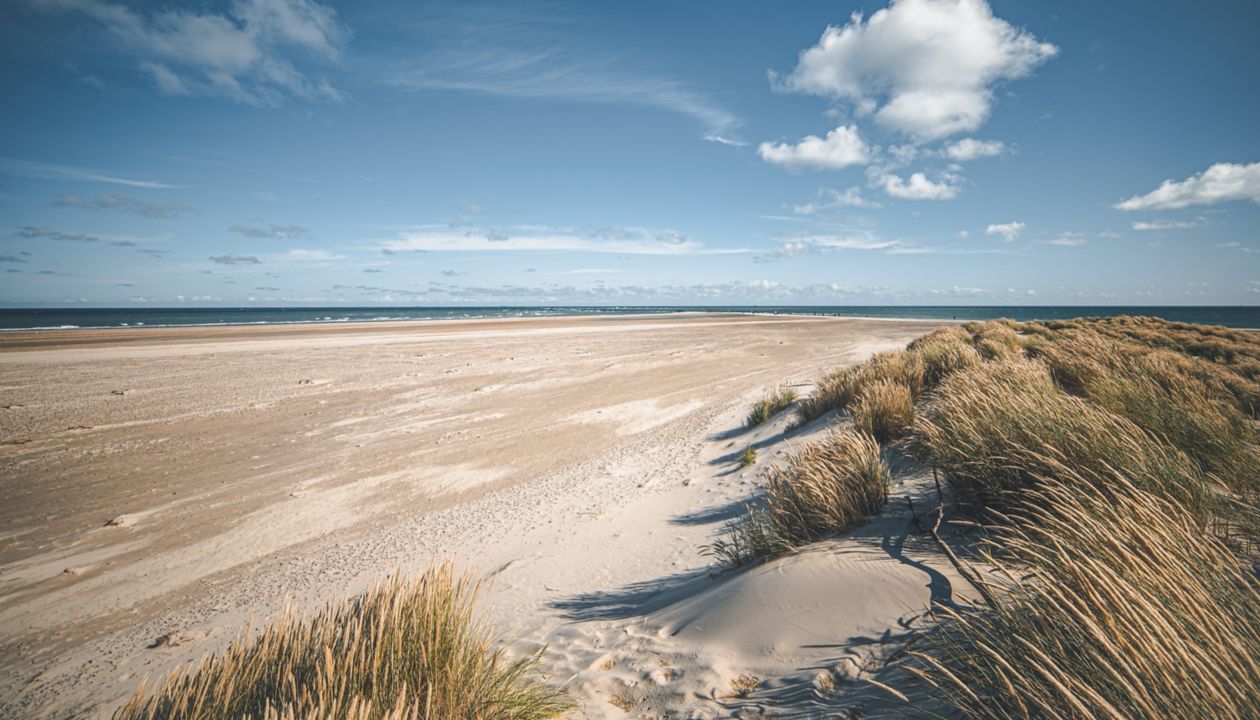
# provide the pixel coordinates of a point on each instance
(406, 649)
(883, 409)
(826, 487)
(771, 403)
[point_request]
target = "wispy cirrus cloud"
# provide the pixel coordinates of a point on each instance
(830, 199)
(812, 244)
(124, 203)
(531, 55)
(46, 233)
(1067, 239)
(241, 53)
(1156, 225)
(1237, 246)
(42, 170)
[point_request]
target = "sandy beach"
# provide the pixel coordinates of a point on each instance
(167, 488)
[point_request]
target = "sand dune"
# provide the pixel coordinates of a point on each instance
(579, 464)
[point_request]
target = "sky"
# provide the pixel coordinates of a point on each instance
(295, 152)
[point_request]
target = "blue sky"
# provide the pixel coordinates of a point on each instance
(279, 152)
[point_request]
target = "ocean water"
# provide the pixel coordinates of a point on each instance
(58, 318)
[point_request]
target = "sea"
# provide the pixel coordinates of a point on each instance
(69, 318)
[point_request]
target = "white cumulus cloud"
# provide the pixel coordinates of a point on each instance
(926, 68)
(972, 149)
(1009, 231)
(919, 187)
(842, 147)
(1219, 183)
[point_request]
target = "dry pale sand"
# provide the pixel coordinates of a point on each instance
(180, 484)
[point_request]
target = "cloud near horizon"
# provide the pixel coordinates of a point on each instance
(626, 241)
(810, 244)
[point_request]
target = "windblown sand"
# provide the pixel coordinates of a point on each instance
(165, 488)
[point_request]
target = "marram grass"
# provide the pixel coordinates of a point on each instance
(989, 428)
(1166, 393)
(1114, 604)
(405, 650)
(1115, 462)
(771, 403)
(883, 409)
(826, 487)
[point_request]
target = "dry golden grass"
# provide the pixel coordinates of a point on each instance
(949, 335)
(996, 339)
(838, 389)
(1117, 463)
(1232, 357)
(1114, 605)
(825, 488)
(833, 391)
(897, 366)
(883, 409)
(943, 352)
(1165, 393)
(989, 427)
(405, 650)
(771, 403)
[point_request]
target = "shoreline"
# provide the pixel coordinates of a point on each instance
(412, 321)
(929, 313)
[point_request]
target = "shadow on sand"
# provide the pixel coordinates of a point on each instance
(715, 514)
(801, 694)
(636, 599)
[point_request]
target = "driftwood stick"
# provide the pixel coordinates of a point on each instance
(969, 573)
